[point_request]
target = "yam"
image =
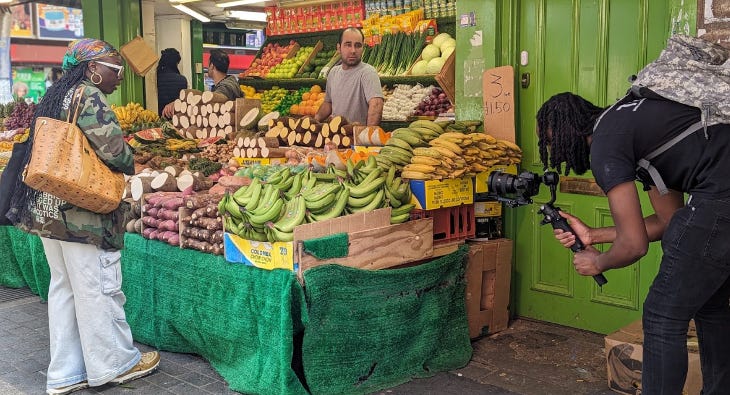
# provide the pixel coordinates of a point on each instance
(139, 186)
(213, 97)
(164, 182)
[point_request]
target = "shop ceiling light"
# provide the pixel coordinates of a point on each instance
(248, 15)
(191, 12)
(237, 3)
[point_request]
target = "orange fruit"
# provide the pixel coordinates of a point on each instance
(316, 89)
(294, 109)
(305, 96)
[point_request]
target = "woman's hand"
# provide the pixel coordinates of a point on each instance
(581, 230)
(585, 261)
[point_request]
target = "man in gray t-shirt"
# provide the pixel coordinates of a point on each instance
(353, 88)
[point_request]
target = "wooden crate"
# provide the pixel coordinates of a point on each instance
(318, 47)
(488, 275)
(445, 78)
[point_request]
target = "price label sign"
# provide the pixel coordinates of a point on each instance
(499, 102)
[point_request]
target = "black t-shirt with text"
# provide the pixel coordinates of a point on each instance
(634, 127)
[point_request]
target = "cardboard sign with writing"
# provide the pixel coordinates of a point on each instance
(499, 102)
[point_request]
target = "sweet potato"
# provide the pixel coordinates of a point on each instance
(150, 221)
(168, 224)
(234, 181)
(174, 239)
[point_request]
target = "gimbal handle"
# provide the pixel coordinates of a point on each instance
(553, 217)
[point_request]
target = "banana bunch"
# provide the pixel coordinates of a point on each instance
(133, 113)
(457, 151)
(371, 188)
(398, 150)
(181, 144)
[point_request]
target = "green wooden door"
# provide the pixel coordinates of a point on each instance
(589, 47)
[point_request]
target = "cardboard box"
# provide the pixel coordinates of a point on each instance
(624, 361)
(480, 180)
(373, 243)
(139, 55)
(433, 194)
(488, 276)
(264, 255)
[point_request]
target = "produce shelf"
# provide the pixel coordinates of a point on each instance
(296, 83)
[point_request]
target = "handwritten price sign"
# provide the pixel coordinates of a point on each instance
(499, 102)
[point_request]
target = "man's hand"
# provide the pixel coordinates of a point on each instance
(582, 231)
(585, 262)
(169, 110)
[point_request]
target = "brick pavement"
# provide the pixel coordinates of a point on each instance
(527, 358)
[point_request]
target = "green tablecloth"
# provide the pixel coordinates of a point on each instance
(23, 262)
(363, 331)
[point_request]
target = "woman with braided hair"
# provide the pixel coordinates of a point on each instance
(694, 275)
(90, 340)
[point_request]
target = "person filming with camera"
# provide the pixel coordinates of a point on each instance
(693, 281)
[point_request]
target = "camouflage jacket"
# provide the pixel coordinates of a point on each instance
(229, 87)
(49, 216)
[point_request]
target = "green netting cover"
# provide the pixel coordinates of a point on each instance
(327, 247)
(23, 261)
(241, 319)
(370, 330)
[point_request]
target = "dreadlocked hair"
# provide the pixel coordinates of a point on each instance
(52, 102)
(569, 118)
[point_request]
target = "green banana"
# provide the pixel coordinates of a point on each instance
(279, 175)
(222, 203)
(377, 201)
(405, 191)
(356, 202)
(320, 204)
(321, 190)
(366, 187)
(308, 184)
(372, 164)
(275, 235)
(271, 211)
(390, 176)
(255, 198)
(399, 219)
(285, 183)
(397, 142)
(392, 200)
(295, 187)
(410, 136)
(350, 168)
(234, 209)
(325, 176)
(404, 209)
(293, 216)
(255, 235)
(427, 124)
(335, 210)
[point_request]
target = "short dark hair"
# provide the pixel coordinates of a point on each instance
(220, 60)
(351, 29)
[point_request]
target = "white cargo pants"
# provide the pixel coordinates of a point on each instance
(89, 335)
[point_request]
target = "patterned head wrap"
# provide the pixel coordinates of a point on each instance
(86, 49)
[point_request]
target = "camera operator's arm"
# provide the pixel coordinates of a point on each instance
(633, 232)
(664, 208)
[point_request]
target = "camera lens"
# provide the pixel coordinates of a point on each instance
(501, 183)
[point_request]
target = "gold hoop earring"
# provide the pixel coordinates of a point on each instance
(94, 73)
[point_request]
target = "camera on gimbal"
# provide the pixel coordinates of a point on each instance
(518, 190)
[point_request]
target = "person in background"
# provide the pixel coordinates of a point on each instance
(90, 341)
(20, 90)
(169, 81)
(353, 87)
(53, 76)
(218, 72)
(694, 274)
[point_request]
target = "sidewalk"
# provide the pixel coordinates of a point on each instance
(527, 358)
